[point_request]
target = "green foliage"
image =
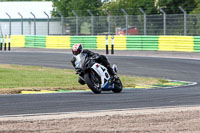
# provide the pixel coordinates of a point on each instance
(197, 9)
(23, 0)
(147, 5)
(65, 7)
(172, 6)
(131, 6)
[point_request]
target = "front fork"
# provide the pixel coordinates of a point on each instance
(94, 76)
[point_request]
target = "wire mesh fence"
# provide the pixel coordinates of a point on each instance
(156, 24)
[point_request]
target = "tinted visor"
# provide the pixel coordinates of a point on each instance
(76, 52)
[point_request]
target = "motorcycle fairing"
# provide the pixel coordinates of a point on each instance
(103, 73)
(108, 86)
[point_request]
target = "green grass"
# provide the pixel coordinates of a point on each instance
(15, 78)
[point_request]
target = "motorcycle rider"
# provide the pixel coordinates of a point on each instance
(78, 48)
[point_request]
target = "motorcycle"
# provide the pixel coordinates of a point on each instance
(95, 75)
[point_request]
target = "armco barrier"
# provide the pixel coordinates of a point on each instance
(101, 42)
(87, 41)
(176, 43)
(196, 44)
(156, 43)
(35, 41)
(142, 42)
(58, 42)
(119, 43)
(18, 41)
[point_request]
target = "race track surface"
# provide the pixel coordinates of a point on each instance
(168, 68)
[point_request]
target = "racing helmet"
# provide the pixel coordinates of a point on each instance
(77, 49)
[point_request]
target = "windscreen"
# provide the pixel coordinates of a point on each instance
(80, 59)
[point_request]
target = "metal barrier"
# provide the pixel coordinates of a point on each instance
(155, 43)
(156, 24)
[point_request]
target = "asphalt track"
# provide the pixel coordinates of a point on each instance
(169, 68)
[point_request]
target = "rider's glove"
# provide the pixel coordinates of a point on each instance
(96, 56)
(77, 71)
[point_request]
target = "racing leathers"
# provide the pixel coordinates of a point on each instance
(99, 58)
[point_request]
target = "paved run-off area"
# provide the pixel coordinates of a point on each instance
(167, 119)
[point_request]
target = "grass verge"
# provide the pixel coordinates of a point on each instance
(16, 78)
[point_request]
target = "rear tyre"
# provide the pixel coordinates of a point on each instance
(92, 83)
(117, 86)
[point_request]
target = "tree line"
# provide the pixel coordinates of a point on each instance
(97, 7)
(114, 7)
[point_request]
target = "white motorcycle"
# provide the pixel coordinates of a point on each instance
(95, 75)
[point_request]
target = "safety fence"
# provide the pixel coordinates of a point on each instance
(154, 24)
(155, 43)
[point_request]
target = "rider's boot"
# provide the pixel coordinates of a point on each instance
(81, 81)
(105, 62)
(112, 73)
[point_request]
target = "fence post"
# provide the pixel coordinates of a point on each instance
(145, 20)
(9, 42)
(92, 21)
(21, 23)
(108, 20)
(107, 51)
(164, 20)
(62, 20)
(126, 20)
(1, 45)
(34, 23)
(75, 14)
(185, 20)
(5, 42)
(9, 22)
(112, 45)
(47, 22)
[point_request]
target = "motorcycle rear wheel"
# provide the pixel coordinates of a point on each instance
(95, 87)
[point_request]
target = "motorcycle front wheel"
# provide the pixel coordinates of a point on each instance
(92, 82)
(117, 86)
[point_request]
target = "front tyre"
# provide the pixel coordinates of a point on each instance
(92, 82)
(117, 86)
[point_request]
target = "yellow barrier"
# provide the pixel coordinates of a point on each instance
(101, 42)
(58, 42)
(17, 41)
(165, 43)
(120, 42)
(176, 43)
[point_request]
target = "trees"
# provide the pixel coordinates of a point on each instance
(197, 9)
(22, 0)
(147, 5)
(131, 6)
(65, 7)
(172, 6)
